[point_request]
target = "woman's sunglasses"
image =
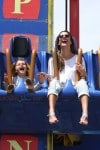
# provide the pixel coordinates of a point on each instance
(66, 36)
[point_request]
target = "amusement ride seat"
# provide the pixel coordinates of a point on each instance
(20, 47)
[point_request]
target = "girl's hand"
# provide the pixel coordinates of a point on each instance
(5, 77)
(43, 76)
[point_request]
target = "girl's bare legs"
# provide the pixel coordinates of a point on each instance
(84, 117)
(52, 103)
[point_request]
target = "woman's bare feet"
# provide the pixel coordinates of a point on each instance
(84, 119)
(52, 118)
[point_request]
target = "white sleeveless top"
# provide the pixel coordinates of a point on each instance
(68, 73)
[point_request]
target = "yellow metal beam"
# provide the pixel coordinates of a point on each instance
(50, 25)
(50, 141)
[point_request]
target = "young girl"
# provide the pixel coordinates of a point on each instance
(67, 65)
(20, 69)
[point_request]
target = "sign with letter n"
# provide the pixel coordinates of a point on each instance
(18, 142)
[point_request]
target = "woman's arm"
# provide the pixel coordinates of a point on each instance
(81, 68)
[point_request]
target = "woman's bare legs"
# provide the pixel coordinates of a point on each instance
(52, 104)
(84, 117)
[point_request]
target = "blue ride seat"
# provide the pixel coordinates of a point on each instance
(42, 60)
(69, 91)
(20, 47)
(92, 64)
(94, 77)
(88, 58)
(2, 70)
(69, 107)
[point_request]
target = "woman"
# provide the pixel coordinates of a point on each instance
(67, 65)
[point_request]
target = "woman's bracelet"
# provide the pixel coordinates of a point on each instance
(83, 77)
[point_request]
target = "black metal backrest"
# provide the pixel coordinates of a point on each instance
(20, 46)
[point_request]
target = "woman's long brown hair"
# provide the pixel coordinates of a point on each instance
(60, 59)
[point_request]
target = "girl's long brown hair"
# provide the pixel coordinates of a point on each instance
(14, 73)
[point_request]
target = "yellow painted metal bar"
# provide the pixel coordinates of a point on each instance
(50, 45)
(50, 141)
(50, 25)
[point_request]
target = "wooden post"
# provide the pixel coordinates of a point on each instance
(55, 64)
(8, 64)
(32, 65)
(79, 61)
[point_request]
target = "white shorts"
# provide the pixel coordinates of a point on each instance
(54, 87)
(81, 87)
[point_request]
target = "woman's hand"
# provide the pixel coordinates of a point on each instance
(81, 70)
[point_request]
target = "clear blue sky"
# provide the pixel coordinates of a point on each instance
(89, 22)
